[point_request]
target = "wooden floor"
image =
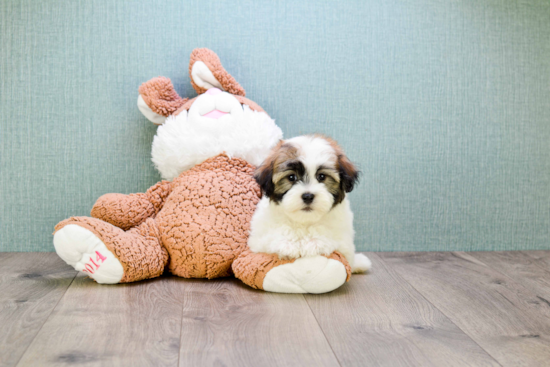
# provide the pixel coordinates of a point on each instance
(414, 309)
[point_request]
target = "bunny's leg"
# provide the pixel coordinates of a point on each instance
(108, 254)
(128, 211)
(316, 274)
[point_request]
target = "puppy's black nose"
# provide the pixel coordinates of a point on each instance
(308, 197)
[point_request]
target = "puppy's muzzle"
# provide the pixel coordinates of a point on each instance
(308, 198)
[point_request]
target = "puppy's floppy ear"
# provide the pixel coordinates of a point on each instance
(264, 177)
(264, 173)
(349, 174)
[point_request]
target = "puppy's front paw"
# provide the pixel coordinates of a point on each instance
(315, 247)
(288, 251)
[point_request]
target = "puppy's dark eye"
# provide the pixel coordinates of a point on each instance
(321, 177)
(292, 178)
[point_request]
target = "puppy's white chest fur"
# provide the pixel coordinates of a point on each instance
(272, 231)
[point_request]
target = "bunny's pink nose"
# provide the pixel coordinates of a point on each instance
(213, 91)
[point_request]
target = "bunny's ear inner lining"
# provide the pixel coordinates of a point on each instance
(203, 77)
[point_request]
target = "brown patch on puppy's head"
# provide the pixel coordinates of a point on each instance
(274, 175)
(349, 174)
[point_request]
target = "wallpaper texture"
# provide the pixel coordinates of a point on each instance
(445, 106)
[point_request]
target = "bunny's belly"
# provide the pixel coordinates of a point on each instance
(205, 221)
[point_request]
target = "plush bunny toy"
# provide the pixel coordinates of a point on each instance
(196, 222)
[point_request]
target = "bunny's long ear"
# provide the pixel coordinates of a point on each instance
(206, 71)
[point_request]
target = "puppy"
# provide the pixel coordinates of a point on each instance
(304, 210)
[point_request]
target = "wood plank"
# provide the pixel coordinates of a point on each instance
(502, 316)
(6, 258)
(379, 319)
(541, 257)
(141, 324)
(520, 267)
(115, 325)
(31, 284)
(226, 323)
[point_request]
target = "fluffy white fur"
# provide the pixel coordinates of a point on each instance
(188, 139)
(287, 230)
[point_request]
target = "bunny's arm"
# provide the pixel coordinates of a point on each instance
(128, 211)
(316, 274)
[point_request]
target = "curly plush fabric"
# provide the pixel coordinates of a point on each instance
(205, 221)
(203, 224)
(160, 96)
(138, 250)
(127, 211)
(213, 63)
(251, 268)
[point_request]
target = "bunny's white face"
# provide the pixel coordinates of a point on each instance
(215, 106)
(220, 120)
(216, 123)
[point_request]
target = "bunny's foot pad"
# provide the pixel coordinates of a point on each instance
(85, 252)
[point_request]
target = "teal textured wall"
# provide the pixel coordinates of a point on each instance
(444, 104)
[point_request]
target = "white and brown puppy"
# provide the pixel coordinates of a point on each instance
(304, 211)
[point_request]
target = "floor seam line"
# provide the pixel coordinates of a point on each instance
(322, 331)
(443, 313)
(46, 320)
(181, 331)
